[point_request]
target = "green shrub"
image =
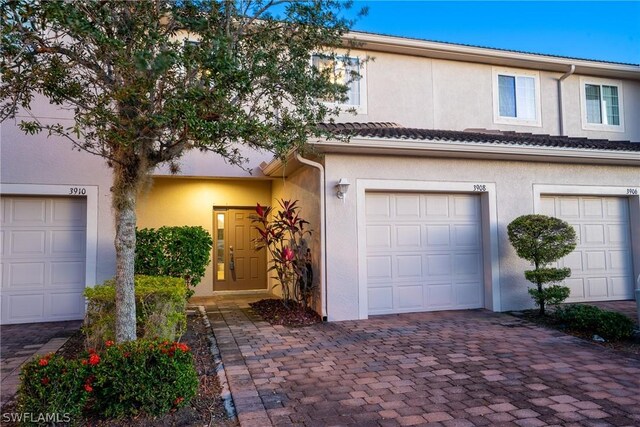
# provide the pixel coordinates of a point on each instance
(593, 320)
(137, 377)
(142, 377)
(174, 251)
(160, 310)
(52, 386)
(541, 240)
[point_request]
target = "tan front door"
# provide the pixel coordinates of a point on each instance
(239, 267)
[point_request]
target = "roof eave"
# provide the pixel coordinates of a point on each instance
(433, 148)
(415, 47)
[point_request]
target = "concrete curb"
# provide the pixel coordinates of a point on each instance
(227, 398)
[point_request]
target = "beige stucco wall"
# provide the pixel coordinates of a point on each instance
(450, 95)
(304, 186)
(514, 197)
(186, 201)
(36, 159)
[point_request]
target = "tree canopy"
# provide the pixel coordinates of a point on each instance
(149, 80)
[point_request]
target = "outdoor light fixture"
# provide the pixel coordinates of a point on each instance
(341, 187)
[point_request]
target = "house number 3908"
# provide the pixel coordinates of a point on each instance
(479, 187)
(77, 191)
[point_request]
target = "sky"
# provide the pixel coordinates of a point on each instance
(602, 30)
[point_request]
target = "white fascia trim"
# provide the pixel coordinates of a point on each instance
(91, 197)
(631, 192)
(488, 150)
(483, 54)
(491, 261)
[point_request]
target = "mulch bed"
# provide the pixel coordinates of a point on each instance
(630, 346)
(276, 312)
(206, 409)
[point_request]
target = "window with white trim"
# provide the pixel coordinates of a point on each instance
(601, 104)
(516, 97)
(348, 71)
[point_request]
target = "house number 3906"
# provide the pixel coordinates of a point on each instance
(479, 187)
(77, 191)
(632, 191)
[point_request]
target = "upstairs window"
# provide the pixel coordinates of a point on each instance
(345, 70)
(516, 97)
(601, 104)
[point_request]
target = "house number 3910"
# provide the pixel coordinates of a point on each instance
(77, 191)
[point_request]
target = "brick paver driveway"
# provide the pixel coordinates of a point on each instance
(460, 368)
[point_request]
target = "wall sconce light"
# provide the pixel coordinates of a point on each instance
(341, 188)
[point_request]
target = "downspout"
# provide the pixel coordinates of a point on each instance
(560, 108)
(323, 234)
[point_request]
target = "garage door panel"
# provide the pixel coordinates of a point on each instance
(619, 260)
(67, 242)
(30, 212)
(468, 295)
(407, 206)
(466, 235)
(439, 265)
(440, 296)
(438, 236)
(409, 297)
(597, 287)
(408, 236)
(437, 206)
(66, 305)
(619, 285)
(596, 261)
(618, 234)
(67, 274)
(68, 212)
(465, 207)
(26, 275)
(380, 299)
(576, 286)
(593, 234)
(436, 258)
(28, 243)
(569, 208)
(26, 307)
(378, 206)
(409, 266)
(466, 264)
(604, 247)
(617, 208)
(592, 208)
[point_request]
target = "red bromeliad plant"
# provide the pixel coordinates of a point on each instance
(283, 235)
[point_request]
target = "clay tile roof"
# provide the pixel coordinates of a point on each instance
(389, 130)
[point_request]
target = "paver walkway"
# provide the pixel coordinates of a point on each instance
(20, 342)
(460, 368)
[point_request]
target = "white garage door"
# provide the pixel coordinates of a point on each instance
(424, 252)
(601, 265)
(43, 259)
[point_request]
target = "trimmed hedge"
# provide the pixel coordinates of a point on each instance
(137, 377)
(160, 310)
(174, 251)
(593, 320)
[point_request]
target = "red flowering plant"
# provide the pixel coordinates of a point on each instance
(283, 234)
(52, 384)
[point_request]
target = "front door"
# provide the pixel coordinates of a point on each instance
(239, 267)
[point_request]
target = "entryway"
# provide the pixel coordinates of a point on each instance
(238, 266)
